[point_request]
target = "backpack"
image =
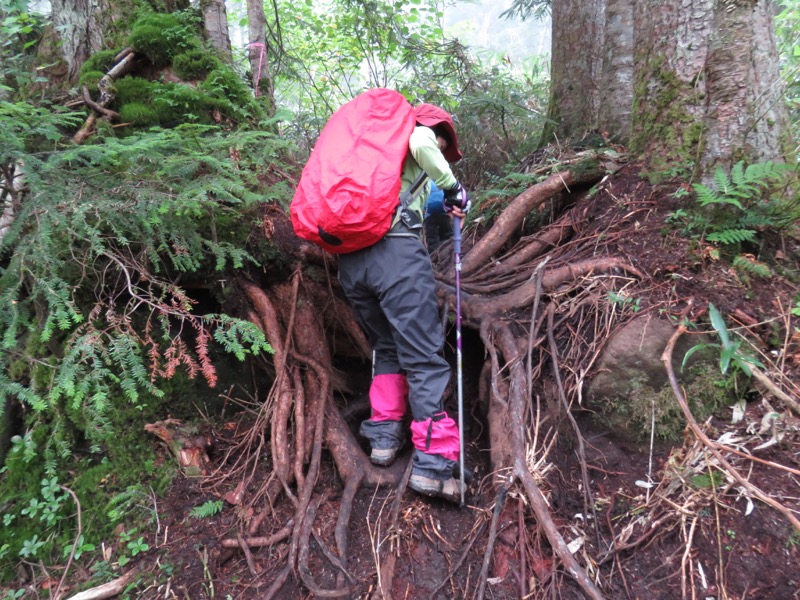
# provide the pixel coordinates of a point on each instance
(350, 187)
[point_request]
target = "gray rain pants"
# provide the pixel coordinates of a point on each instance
(392, 289)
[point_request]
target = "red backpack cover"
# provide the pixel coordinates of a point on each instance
(350, 186)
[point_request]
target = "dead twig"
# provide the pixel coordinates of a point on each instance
(487, 556)
(790, 402)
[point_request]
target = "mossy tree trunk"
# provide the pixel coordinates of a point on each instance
(692, 84)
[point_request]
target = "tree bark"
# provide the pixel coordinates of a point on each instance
(576, 54)
(616, 76)
(79, 25)
(215, 25)
(742, 72)
(689, 84)
(257, 48)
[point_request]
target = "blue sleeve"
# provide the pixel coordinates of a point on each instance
(435, 203)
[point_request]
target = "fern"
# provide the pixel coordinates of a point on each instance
(731, 236)
(744, 196)
(747, 265)
(94, 260)
(207, 509)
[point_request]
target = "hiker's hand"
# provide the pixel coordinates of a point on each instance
(456, 198)
(458, 213)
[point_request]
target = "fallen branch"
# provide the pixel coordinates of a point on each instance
(125, 60)
(775, 390)
(107, 590)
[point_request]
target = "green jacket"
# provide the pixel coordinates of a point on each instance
(424, 155)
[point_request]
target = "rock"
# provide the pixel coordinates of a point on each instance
(631, 381)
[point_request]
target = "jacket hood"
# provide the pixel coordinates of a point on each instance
(431, 116)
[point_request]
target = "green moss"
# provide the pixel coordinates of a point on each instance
(632, 416)
(195, 64)
(138, 114)
(162, 36)
(133, 89)
(661, 112)
(101, 61)
(120, 474)
(148, 40)
(91, 78)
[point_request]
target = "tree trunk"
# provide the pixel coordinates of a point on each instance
(79, 27)
(745, 113)
(215, 24)
(257, 49)
(616, 76)
(689, 85)
(576, 54)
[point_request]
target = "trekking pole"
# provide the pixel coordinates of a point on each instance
(457, 251)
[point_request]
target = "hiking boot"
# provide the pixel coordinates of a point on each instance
(448, 489)
(469, 475)
(383, 457)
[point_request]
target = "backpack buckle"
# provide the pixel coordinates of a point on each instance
(410, 219)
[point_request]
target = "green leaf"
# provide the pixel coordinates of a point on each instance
(694, 349)
(718, 322)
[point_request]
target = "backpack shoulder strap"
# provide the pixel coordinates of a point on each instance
(411, 193)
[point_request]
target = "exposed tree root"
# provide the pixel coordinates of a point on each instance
(487, 557)
(508, 345)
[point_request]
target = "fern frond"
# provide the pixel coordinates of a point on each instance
(207, 509)
(722, 181)
(746, 263)
(706, 196)
(731, 236)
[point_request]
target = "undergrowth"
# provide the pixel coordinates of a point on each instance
(100, 334)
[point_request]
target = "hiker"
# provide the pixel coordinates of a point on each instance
(391, 286)
(438, 224)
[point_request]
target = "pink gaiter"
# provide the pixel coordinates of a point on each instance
(437, 435)
(388, 397)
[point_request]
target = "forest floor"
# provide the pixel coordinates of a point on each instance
(703, 547)
(690, 534)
